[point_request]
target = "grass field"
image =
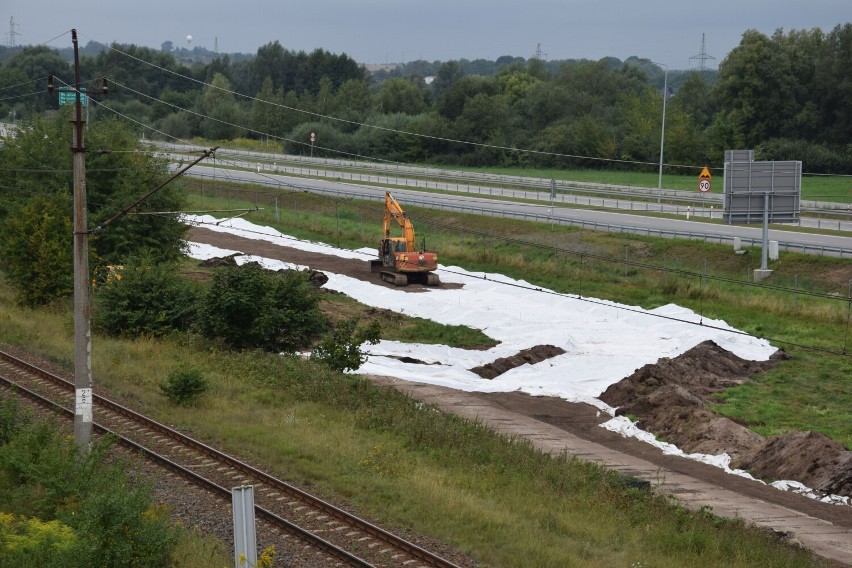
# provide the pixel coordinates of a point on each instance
(403, 464)
(814, 187)
(497, 499)
(804, 308)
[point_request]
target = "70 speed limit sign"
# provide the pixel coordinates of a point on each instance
(704, 185)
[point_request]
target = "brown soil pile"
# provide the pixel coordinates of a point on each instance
(670, 399)
(529, 356)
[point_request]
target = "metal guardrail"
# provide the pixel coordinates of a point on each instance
(533, 184)
(818, 250)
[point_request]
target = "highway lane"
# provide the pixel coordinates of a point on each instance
(544, 211)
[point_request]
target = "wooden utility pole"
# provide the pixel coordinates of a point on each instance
(82, 281)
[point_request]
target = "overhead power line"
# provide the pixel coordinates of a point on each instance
(384, 128)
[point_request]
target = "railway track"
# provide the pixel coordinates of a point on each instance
(345, 539)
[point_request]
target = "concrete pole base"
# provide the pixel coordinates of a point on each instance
(760, 274)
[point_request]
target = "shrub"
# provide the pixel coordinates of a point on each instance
(184, 387)
(67, 508)
(145, 298)
(341, 348)
(248, 307)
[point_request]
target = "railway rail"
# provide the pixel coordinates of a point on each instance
(342, 536)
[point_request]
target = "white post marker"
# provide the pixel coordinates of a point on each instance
(83, 404)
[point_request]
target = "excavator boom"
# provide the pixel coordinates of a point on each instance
(394, 211)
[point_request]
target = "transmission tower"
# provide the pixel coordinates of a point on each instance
(702, 57)
(538, 54)
(12, 32)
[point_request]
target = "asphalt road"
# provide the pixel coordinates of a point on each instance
(561, 211)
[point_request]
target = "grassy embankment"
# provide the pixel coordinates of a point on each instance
(809, 392)
(814, 187)
(404, 464)
(496, 499)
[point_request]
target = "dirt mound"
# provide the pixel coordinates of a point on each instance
(670, 399)
(230, 260)
(315, 277)
(808, 457)
(529, 356)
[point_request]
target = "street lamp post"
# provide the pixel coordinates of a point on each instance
(662, 130)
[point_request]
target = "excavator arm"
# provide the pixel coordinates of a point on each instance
(394, 211)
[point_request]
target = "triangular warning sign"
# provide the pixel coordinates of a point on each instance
(705, 173)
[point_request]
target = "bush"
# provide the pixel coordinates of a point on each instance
(341, 348)
(184, 387)
(34, 249)
(66, 508)
(248, 307)
(144, 298)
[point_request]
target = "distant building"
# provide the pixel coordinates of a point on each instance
(7, 130)
(375, 67)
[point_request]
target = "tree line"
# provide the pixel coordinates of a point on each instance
(788, 96)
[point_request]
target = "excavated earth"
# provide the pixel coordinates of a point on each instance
(670, 398)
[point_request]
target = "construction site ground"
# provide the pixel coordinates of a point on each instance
(556, 426)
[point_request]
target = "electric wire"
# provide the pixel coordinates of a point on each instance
(595, 301)
(65, 33)
(384, 128)
(22, 84)
(579, 297)
(21, 96)
(635, 264)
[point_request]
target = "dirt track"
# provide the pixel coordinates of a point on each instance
(542, 418)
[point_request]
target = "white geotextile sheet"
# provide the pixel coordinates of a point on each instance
(604, 342)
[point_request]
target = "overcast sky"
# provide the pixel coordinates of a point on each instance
(381, 31)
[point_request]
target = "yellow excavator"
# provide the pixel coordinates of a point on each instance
(399, 260)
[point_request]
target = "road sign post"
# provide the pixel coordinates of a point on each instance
(704, 180)
(68, 96)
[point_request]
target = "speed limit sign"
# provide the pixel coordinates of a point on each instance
(704, 185)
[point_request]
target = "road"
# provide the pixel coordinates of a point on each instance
(561, 211)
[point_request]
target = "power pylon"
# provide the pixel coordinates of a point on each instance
(702, 57)
(12, 32)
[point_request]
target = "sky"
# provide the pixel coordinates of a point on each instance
(383, 31)
(603, 341)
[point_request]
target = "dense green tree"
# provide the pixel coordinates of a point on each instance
(263, 117)
(448, 73)
(36, 249)
(324, 102)
(451, 103)
(270, 62)
(693, 99)
(341, 349)
(832, 87)
(35, 200)
(764, 82)
(400, 95)
(28, 71)
(483, 118)
(220, 110)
